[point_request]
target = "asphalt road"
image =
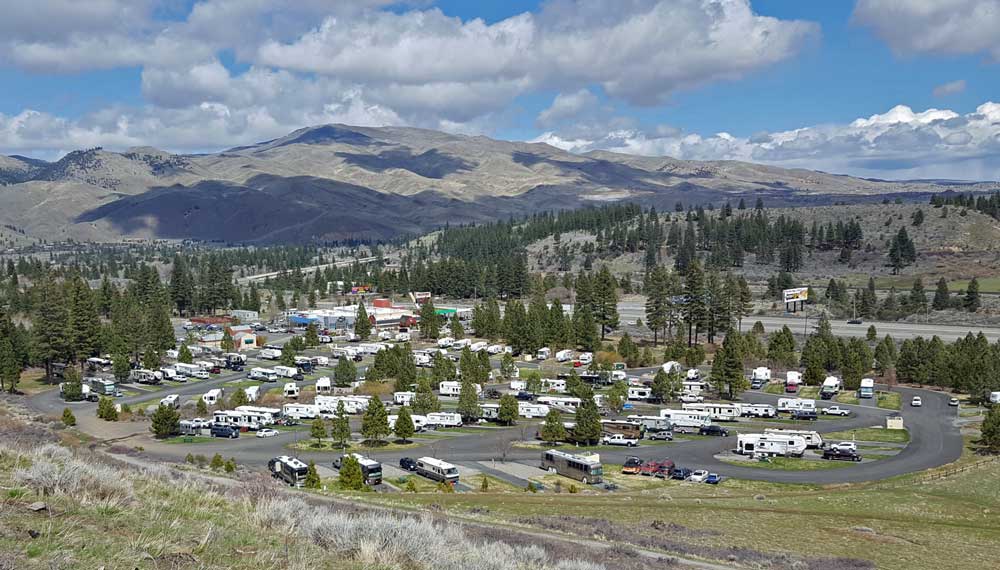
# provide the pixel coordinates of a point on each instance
(630, 311)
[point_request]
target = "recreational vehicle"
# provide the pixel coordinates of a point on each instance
(795, 404)
(584, 468)
(171, 401)
(451, 388)
(143, 376)
(461, 343)
(213, 396)
(444, 419)
(270, 354)
(867, 389)
(437, 470)
(831, 387)
(252, 392)
(793, 380)
(101, 386)
(352, 404)
(532, 410)
(477, 346)
(631, 429)
(289, 469)
(564, 355)
(445, 342)
(543, 353)
(263, 374)
(642, 393)
(687, 420)
(190, 370)
(371, 470)
(718, 412)
(758, 410)
(170, 374)
(652, 423)
(324, 385)
(403, 398)
(300, 411)
(561, 403)
(286, 371)
(771, 445)
(812, 439)
(672, 366)
(553, 385)
(291, 390)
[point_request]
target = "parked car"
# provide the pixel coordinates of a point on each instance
(225, 431)
(844, 446)
(664, 435)
(714, 430)
(916, 402)
(953, 402)
(698, 476)
(632, 465)
(713, 479)
(804, 415)
(492, 394)
(836, 411)
(691, 398)
(267, 432)
(680, 473)
(525, 396)
(408, 464)
(215, 370)
(659, 468)
(840, 455)
(855, 322)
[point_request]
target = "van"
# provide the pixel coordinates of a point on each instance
(225, 431)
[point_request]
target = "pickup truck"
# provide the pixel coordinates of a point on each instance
(691, 398)
(836, 411)
(619, 439)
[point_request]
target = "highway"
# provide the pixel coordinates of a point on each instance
(630, 311)
(305, 270)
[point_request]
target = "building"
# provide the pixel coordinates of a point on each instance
(245, 316)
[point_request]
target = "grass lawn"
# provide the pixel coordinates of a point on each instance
(846, 398)
(790, 464)
(890, 400)
(870, 434)
(906, 523)
(33, 381)
(774, 388)
(808, 392)
(189, 439)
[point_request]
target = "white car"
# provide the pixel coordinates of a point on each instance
(836, 411)
(698, 476)
(691, 398)
(845, 446)
(916, 402)
(267, 432)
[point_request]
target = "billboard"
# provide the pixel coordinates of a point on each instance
(795, 295)
(420, 297)
(361, 289)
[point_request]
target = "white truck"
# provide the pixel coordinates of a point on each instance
(564, 355)
(619, 439)
(830, 388)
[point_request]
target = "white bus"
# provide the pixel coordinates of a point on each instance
(437, 470)
(718, 412)
(813, 439)
(687, 420)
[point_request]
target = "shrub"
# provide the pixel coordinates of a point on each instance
(68, 419)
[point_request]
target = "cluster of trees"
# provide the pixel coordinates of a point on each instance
(824, 353)
(988, 204)
(895, 305)
(970, 364)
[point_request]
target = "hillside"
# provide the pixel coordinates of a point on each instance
(339, 182)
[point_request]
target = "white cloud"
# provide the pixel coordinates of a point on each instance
(934, 26)
(950, 88)
(567, 106)
(899, 143)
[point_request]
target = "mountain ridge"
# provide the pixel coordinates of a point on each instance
(337, 181)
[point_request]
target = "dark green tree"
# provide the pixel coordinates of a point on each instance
(588, 423)
(165, 422)
(430, 320)
(404, 425)
(345, 372)
(351, 478)
(375, 422)
(972, 301)
(68, 419)
(340, 431)
(552, 430)
(942, 296)
(362, 326)
(318, 431)
(312, 477)
(507, 414)
(468, 401)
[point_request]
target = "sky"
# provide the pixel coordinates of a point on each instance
(895, 89)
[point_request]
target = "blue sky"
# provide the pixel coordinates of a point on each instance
(785, 81)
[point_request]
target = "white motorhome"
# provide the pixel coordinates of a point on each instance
(478, 346)
(252, 392)
(320, 360)
(553, 385)
(794, 404)
(758, 410)
(642, 393)
(286, 371)
(672, 366)
(213, 396)
(300, 411)
(235, 357)
(693, 387)
(586, 358)
(718, 412)
(770, 445)
(461, 343)
(561, 403)
(867, 389)
(761, 373)
(812, 438)
(445, 342)
(830, 388)
(686, 420)
(171, 401)
(291, 390)
(652, 423)
(564, 355)
(403, 398)
(324, 385)
(543, 353)
(263, 374)
(269, 354)
(444, 419)
(454, 389)
(437, 470)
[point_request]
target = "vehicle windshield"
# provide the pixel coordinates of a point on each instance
(452, 471)
(632, 462)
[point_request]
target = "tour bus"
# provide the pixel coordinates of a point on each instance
(584, 468)
(289, 469)
(437, 470)
(813, 439)
(718, 412)
(687, 420)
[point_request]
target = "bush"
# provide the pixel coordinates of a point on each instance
(217, 462)
(68, 419)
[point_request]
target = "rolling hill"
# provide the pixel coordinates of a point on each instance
(335, 182)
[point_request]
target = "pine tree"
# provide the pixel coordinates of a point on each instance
(588, 423)
(991, 430)
(218, 463)
(430, 321)
(165, 422)
(50, 335)
(666, 385)
(106, 410)
(68, 419)
(606, 300)
(375, 422)
(456, 330)
(239, 398)
(404, 424)
(318, 431)
(312, 477)
(345, 372)
(917, 300)
(201, 407)
(184, 355)
(468, 401)
(351, 478)
(553, 430)
(507, 414)
(340, 431)
(872, 334)
(311, 337)
(814, 360)
(695, 308)
(727, 368)
(10, 368)
(287, 354)
(972, 301)
(425, 400)
(617, 395)
(507, 367)
(362, 326)
(942, 296)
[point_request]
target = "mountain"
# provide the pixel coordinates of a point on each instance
(341, 182)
